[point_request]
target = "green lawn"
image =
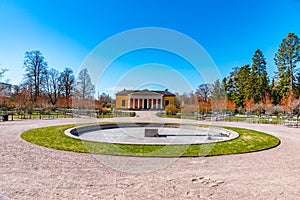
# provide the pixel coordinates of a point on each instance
(248, 141)
(35, 115)
(230, 119)
(253, 120)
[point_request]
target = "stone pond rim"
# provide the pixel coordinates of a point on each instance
(134, 133)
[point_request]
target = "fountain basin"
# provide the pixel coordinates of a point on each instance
(165, 134)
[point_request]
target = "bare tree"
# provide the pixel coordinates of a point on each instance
(105, 100)
(203, 92)
(67, 81)
(36, 69)
(84, 86)
(51, 85)
(21, 98)
(2, 71)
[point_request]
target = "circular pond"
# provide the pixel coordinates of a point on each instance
(151, 134)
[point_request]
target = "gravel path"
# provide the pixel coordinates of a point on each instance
(28, 171)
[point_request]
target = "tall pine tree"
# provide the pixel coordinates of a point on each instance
(258, 79)
(242, 82)
(298, 85)
(231, 84)
(216, 91)
(286, 58)
(237, 89)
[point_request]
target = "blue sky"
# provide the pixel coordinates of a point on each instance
(67, 31)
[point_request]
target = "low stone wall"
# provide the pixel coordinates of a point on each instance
(151, 134)
(84, 129)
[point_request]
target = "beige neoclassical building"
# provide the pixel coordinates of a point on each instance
(144, 99)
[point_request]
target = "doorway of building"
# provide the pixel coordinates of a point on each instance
(145, 104)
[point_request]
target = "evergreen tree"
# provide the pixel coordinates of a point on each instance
(224, 88)
(275, 97)
(242, 91)
(264, 84)
(237, 85)
(216, 91)
(231, 85)
(218, 96)
(258, 79)
(297, 93)
(219, 90)
(286, 58)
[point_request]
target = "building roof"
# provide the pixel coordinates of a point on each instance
(5, 89)
(163, 92)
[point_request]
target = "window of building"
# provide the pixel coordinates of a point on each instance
(167, 102)
(123, 102)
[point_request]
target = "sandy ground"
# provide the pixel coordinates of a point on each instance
(28, 171)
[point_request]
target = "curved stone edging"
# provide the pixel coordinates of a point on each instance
(214, 135)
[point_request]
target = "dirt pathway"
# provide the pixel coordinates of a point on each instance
(28, 171)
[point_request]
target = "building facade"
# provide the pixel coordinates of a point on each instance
(144, 99)
(5, 89)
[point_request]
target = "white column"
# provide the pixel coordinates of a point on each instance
(147, 103)
(142, 103)
(138, 103)
(128, 103)
(152, 103)
(133, 103)
(161, 107)
(156, 103)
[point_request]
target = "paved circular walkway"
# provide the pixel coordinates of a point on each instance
(29, 171)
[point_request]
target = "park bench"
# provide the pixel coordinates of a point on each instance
(4, 117)
(290, 123)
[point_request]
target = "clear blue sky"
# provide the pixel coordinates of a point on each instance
(67, 31)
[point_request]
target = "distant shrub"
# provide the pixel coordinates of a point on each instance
(171, 109)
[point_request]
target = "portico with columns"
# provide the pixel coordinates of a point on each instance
(143, 99)
(149, 100)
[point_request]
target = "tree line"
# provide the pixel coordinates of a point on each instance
(249, 89)
(47, 88)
